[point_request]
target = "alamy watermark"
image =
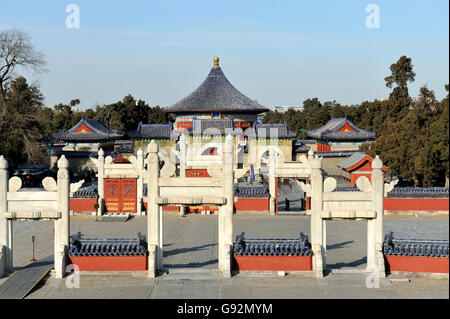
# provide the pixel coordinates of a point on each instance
(73, 280)
(73, 18)
(373, 19)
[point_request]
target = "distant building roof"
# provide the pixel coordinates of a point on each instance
(301, 148)
(341, 129)
(334, 153)
(269, 131)
(306, 141)
(352, 160)
(216, 94)
(356, 160)
(211, 126)
(156, 131)
(88, 130)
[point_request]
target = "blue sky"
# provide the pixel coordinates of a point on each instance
(278, 52)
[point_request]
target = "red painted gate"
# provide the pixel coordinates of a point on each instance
(120, 195)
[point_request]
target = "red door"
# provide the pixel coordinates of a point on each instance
(120, 195)
(128, 191)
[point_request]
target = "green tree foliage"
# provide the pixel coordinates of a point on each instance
(22, 126)
(125, 115)
(412, 136)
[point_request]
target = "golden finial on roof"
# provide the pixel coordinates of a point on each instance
(216, 62)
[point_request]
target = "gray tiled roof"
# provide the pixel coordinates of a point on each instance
(301, 149)
(216, 94)
(157, 131)
(330, 131)
(269, 131)
(212, 127)
(351, 160)
(100, 132)
(334, 153)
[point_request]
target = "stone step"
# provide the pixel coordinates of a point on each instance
(190, 274)
(190, 270)
(347, 270)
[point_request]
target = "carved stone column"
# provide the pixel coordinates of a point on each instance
(101, 184)
(226, 211)
(5, 229)
(153, 214)
(375, 226)
(62, 225)
(317, 236)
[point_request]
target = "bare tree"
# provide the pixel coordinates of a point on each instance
(17, 51)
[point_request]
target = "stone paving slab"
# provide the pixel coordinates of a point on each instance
(245, 287)
(23, 280)
(192, 242)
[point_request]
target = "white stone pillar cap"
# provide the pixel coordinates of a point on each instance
(377, 163)
(63, 162)
(3, 162)
(316, 163)
(152, 147)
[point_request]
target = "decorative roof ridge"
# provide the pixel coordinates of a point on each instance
(215, 94)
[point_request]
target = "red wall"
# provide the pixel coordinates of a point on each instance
(110, 263)
(323, 147)
(166, 208)
(356, 176)
(197, 173)
(83, 204)
(246, 204)
(427, 204)
(416, 264)
(273, 263)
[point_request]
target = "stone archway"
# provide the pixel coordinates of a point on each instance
(164, 189)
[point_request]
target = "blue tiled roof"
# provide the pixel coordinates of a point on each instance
(100, 132)
(216, 93)
(272, 246)
(407, 192)
(156, 131)
(107, 246)
(251, 191)
(330, 131)
(415, 247)
(419, 192)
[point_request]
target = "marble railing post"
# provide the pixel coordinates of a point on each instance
(375, 226)
(62, 225)
(101, 185)
(272, 181)
(153, 214)
(226, 211)
(183, 154)
(140, 181)
(5, 225)
(317, 236)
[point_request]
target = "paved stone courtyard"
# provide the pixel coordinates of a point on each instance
(191, 241)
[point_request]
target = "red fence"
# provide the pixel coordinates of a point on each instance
(83, 204)
(251, 204)
(418, 204)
